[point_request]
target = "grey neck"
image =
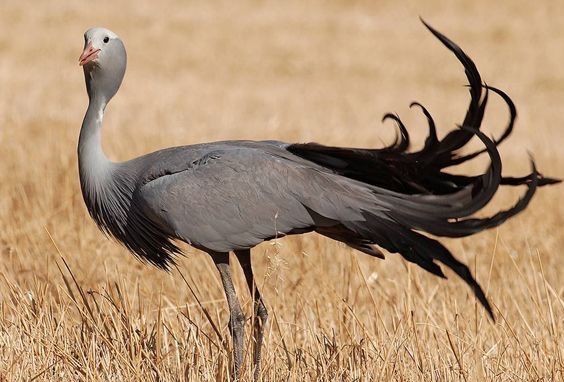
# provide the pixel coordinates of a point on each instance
(93, 163)
(106, 190)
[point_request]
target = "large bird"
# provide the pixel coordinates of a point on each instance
(229, 196)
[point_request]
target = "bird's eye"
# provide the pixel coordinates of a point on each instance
(106, 39)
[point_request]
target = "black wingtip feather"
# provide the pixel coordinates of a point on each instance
(422, 196)
(402, 142)
(432, 140)
(419, 249)
(548, 181)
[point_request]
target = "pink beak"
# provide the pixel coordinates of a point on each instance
(88, 55)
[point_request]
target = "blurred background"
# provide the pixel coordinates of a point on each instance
(297, 71)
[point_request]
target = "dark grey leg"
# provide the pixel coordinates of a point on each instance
(261, 314)
(236, 316)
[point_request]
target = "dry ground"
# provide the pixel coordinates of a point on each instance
(295, 71)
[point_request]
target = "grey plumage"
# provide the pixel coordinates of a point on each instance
(230, 196)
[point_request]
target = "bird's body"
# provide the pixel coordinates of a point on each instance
(229, 196)
(213, 187)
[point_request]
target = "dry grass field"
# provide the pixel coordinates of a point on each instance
(75, 306)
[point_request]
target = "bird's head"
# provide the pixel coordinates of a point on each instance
(103, 60)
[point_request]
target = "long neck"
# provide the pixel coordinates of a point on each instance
(106, 186)
(96, 171)
(91, 158)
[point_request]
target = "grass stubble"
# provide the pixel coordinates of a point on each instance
(74, 306)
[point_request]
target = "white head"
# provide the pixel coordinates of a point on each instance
(104, 61)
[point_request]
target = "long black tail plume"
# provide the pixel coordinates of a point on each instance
(395, 168)
(419, 195)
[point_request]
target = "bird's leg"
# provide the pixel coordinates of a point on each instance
(236, 316)
(260, 312)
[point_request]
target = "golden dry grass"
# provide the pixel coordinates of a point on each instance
(294, 71)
